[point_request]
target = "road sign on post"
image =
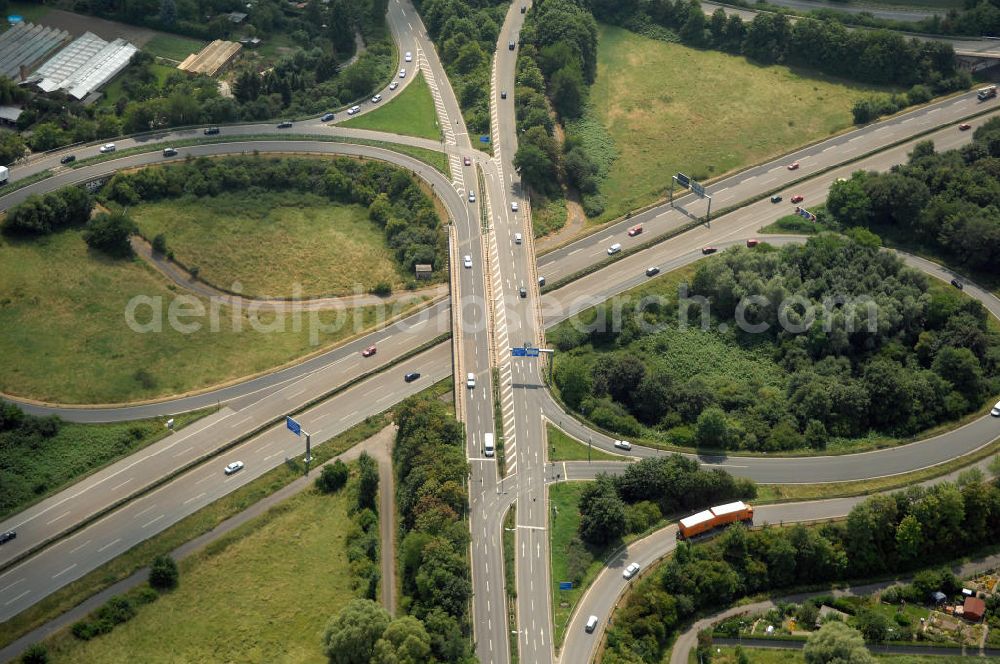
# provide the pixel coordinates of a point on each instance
(519, 352)
(565, 585)
(484, 139)
(682, 180)
(698, 188)
(293, 426)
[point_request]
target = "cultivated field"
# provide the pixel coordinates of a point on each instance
(66, 339)
(671, 108)
(410, 113)
(271, 242)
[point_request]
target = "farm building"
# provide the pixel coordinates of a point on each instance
(25, 45)
(84, 66)
(973, 609)
(211, 59)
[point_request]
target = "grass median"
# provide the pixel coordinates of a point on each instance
(563, 447)
(410, 113)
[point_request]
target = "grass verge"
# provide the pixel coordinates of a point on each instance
(410, 113)
(197, 524)
(65, 314)
(172, 47)
(729, 655)
(274, 244)
(510, 583)
(674, 122)
(32, 472)
(563, 447)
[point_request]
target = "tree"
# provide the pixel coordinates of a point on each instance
(713, 428)
(909, 539)
(367, 482)
(602, 512)
(35, 654)
(960, 367)
(536, 168)
(109, 234)
(352, 633)
(12, 147)
(574, 381)
(168, 12)
(332, 477)
(163, 573)
(568, 91)
(836, 643)
(160, 243)
(872, 624)
(405, 641)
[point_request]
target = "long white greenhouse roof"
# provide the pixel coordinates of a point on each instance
(85, 65)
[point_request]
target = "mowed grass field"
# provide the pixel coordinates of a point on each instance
(410, 112)
(172, 47)
(266, 597)
(273, 242)
(66, 338)
(670, 108)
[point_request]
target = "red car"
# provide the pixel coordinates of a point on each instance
(709, 250)
(467, 161)
(635, 230)
(965, 126)
(798, 198)
(368, 352)
(794, 165)
(752, 242)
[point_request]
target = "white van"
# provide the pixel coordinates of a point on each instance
(488, 448)
(470, 380)
(614, 249)
(591, 625)
(517, 238)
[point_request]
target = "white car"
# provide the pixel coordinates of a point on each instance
(996, 410)
(107, 147)
(408, 57)
(513, 206)
(353, 110)
(623, 445)
(470, 380)
(376, 99)
(517, 238)
(472, 196)
(631, 571)
(468, 261)
(402, 72)
(393, 85)
(234, 467)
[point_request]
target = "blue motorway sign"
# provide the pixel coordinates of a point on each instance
(531, 352)
(565, 585)
(293, 426)
(484, 139)
(519, 352)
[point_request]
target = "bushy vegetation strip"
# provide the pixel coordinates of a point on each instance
(886, 534)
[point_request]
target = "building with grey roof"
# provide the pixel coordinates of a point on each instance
(84, 66)
(24, 45)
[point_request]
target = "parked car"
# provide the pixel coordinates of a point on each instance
(107, 147)
(965, 126)
(957, 284)
(368, 352)
(402, 72)
(353, 110)
(169, 152)
(793, 166)
(7, 536)
(635, 230)
(652, 271)
(327, 117)
(631, 571)
(995, 412)
(394, 85)
(472, 196)
(752, 242)
(513, 206)
(234, 467)
(211, 130)
(776, 198)
(67, 159)
(623, 445)
(798, 198)
(408, 57)
(591, 625)
(287, 124)
(412, 376)
(614, 249)
(468, 261)
(376, 99)
(709, 250)
(467, 161)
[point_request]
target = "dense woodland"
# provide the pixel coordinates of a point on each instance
(884, 534)
(928, 356)
(465, 33)
(949, 202)
(395, 202)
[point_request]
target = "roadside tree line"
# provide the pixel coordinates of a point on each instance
(886, 533)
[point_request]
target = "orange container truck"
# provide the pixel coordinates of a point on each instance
(715, 517)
